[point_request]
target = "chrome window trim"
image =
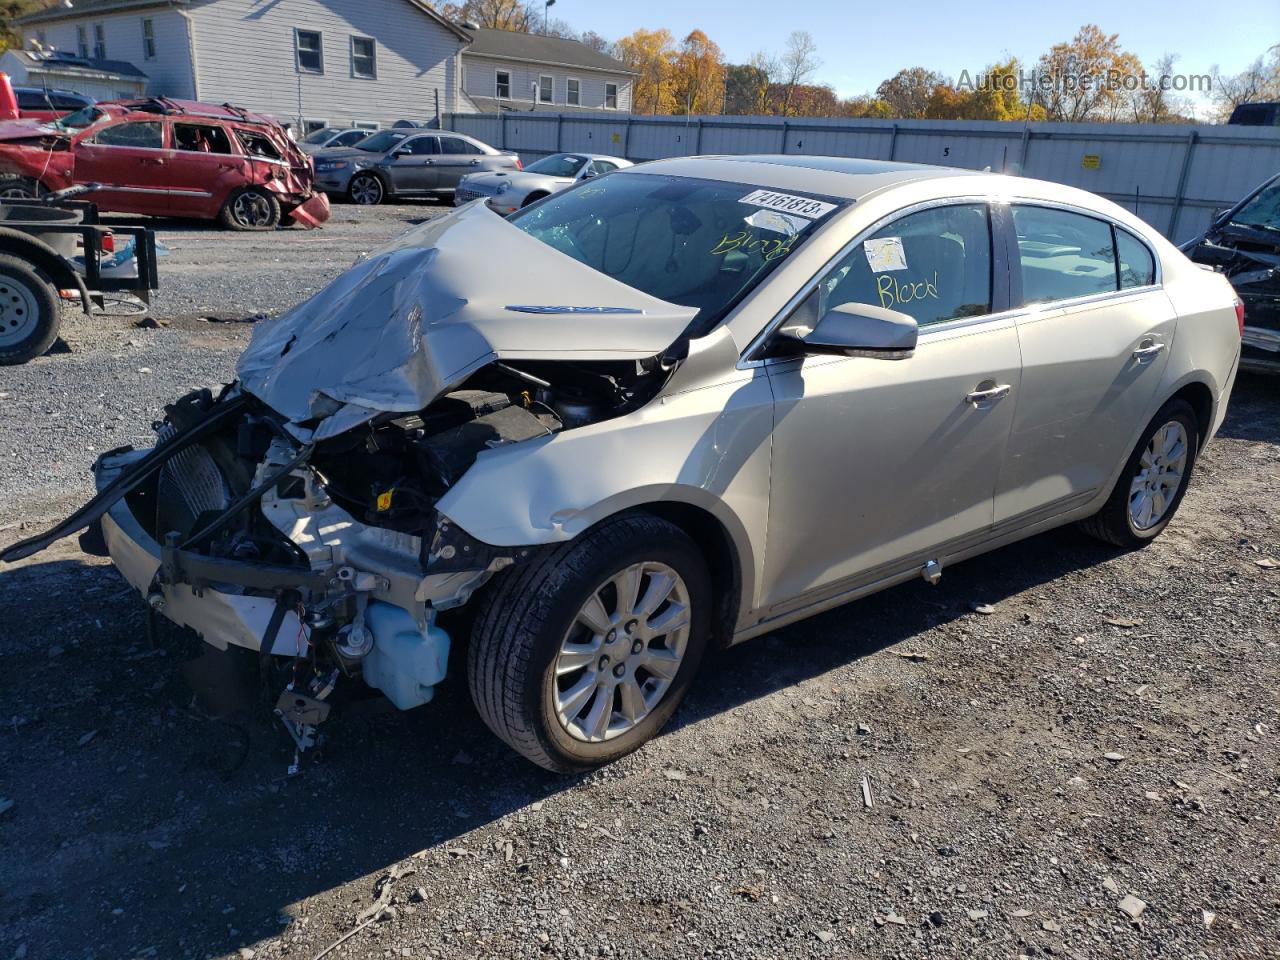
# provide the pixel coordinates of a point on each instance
(747, 358)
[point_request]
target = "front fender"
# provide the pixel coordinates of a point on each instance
(708, 447)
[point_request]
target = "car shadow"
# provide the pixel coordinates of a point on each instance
(178, 812)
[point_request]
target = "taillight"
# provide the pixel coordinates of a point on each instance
(108, 242)
(519, 165)
(1240, 315)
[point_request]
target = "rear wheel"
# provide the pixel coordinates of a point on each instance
(251, 208)
(1153, 481)
(29, 312)
(366, 189)
(581, 656)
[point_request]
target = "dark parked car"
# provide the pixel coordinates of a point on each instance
(43, 103)
(328, 137)
(1256, 115)
(403, 161)
(1244, 244)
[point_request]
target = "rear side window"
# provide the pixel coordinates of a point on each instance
(1137, 267)
(1063, 254)
(144, 134)
(32, 100)
(201, 138)
(934, 265)
(458, 145)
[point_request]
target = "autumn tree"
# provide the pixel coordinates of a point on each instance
(1258, 81)
(596, 42)
(1075, 78)
(515, 15)
(908, 91)
(651, 54)
(746, 86)
(797, 64)
(698, 75)
(11, 10)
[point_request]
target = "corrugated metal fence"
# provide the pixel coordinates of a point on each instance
(1174, 177)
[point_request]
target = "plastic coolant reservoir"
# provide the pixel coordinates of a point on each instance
(406, 663)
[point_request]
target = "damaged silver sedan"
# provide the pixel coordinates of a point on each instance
(702, 398)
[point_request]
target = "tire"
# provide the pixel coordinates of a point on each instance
(525, 623)
(250, 209)
(533, 198)
(1122, 520)
(20, 188)
(366, 189)
(30, 313)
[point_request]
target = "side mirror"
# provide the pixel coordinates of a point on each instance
(860, 330)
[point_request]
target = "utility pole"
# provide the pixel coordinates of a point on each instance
(545, 7)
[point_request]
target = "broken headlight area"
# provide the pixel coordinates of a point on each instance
(332, 552)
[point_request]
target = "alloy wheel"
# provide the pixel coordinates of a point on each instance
(622, 651)
(366, 190)
(18, 191)
(1161, 469)
(19, 311)
(251, 209)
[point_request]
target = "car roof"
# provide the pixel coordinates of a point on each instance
(845, 177)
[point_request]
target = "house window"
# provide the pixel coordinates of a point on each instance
(311, 125)
(99, 41)
(306, 44)
(573, 92)
(148, 38)
(611, 96)
(365, 124)
(363, 58)
(503, 86)
(546, 89)
(82, 42)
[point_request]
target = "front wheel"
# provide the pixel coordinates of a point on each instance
(582, 655)
(1153, 482)
(29, 312)
(251, 208)
(366, 189)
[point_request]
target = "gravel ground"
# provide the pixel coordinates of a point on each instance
(1108, 732)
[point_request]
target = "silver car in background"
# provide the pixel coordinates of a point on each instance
(720, 394)
(332, 137)
(406, 161)
(506, 192)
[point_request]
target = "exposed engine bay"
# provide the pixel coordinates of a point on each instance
(332, 553)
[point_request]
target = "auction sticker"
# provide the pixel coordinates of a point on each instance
(789, 203)
(885, 253)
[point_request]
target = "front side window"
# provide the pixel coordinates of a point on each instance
(611, 96)
(503, 85)
(99, 41)
(364, 58)
(546, 89)
(1063, 254)
(423, 146)
(934, 266)
(143, 134)
(82, 41)
(1137, 266)
(148, 38)
(307, 49)
(698, 243)
(573, 92)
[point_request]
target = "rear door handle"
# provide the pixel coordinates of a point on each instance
(1149, 350)
(988, 394)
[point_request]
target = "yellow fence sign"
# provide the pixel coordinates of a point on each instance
(1091, 161)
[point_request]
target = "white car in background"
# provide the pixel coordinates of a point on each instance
(507, 191)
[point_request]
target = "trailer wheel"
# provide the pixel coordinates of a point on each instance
(20, 188)
(29, 312)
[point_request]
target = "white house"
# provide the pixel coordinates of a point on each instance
(98, 78)
(310, 62)
(504, 70)
(329, 62)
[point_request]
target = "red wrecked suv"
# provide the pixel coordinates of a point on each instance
(162, 157)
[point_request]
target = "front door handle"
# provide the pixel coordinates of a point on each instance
(988, 394)
(1149, 350)
(475, 163)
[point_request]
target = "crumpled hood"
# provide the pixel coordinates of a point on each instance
(26, 129)
(419, 316)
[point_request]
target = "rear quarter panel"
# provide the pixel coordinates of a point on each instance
(1207, 347)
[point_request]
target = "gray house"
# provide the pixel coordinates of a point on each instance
(321, 63)
(503, 70)
(310, 62)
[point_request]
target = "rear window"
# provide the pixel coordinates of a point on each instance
(697, 243)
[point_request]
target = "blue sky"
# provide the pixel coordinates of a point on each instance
(861, 43)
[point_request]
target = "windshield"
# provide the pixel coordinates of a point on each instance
(1262, 211)
(698, 243)
(381, 142)
(558, 165)
(319, 136)
(82, 118)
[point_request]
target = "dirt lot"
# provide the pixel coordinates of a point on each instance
(1109, 731)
